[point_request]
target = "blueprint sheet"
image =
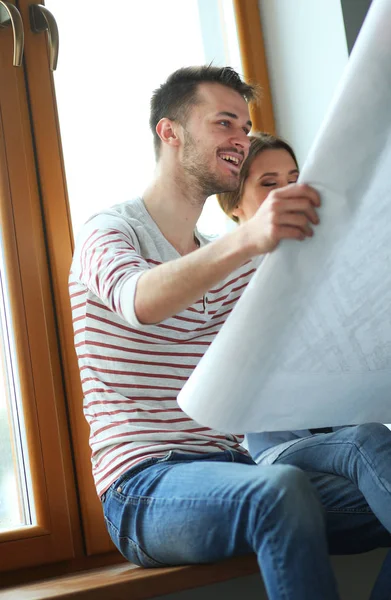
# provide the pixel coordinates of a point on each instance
(309, 342)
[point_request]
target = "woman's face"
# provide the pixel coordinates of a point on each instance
(270, 170)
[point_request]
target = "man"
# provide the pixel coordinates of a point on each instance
(149, 294)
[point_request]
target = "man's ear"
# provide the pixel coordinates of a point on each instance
(166, 130)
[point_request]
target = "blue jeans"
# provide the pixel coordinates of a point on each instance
(351, 470)
(187, 510)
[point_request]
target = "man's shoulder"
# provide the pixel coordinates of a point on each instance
(131, 211)
(129, 218)
(133, 224)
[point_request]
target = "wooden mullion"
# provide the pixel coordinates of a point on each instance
(252, 50)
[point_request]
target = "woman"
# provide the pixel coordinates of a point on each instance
(349, 466)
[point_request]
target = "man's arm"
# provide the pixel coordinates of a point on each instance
(169, 288)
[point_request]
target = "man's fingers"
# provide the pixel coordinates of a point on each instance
(299, 190)
(291, 233)
(296, 205)
(298, 221)
(303, 190)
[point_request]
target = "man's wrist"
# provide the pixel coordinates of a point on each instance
(248, 247)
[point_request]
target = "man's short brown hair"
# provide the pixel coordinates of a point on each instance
(174, 97)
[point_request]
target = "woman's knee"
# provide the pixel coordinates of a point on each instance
(370, 433)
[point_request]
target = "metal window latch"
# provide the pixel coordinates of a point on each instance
(10, 16)
(41, 19)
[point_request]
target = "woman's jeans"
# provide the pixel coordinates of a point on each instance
(328, 492)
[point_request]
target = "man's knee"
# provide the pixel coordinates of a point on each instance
(287, 478)
(290, 497)
(289, 486)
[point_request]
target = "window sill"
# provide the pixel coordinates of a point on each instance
(126, 581)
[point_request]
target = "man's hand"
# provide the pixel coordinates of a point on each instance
(165, 290)
(287, 213)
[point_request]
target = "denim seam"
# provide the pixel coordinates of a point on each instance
(315, 445)
(348, 511)
(370, 465)
(126, 499)
(134, 544)
(344, 443)
(127, 476)
(149, 499)
(274, 555)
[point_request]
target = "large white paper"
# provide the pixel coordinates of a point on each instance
(309, 342)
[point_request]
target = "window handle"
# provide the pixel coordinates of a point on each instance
(41, 19)
(9, 15)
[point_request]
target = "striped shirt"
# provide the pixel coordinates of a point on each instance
(131, 373)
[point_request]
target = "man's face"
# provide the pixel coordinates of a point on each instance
(215, 141)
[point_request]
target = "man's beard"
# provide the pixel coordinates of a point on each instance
(198, 168)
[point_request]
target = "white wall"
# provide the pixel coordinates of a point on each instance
(306, 53)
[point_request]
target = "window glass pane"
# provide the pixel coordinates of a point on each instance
(111, 59)
(16, 506)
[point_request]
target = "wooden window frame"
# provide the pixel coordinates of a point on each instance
(33, 324)
(252, 50)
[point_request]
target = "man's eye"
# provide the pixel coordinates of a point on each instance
(224, 123)
(246, 130)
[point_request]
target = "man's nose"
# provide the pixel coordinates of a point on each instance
(242, 141)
